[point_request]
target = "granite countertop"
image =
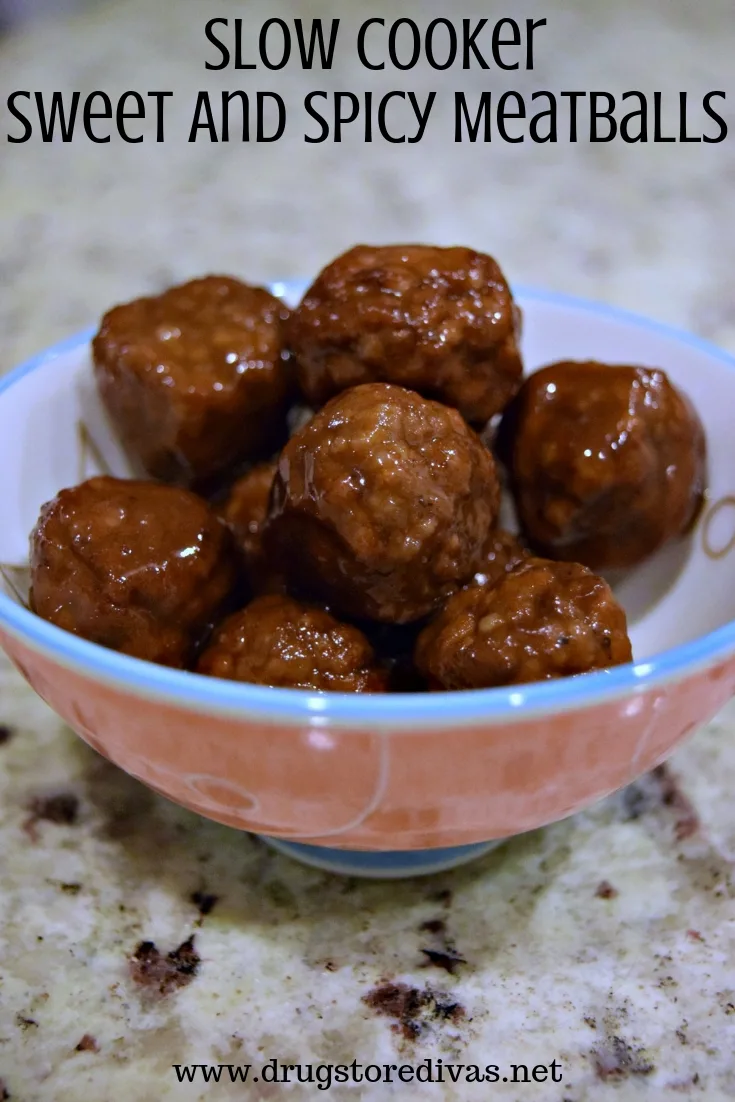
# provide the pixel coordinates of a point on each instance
(135, 936)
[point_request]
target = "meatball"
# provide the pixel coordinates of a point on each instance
(539, 621)
(607, 462)
(382, 504)
(245, 510)
(440, 321)
(195, 380)
(501, 553)
(280, 642)
(136, 566)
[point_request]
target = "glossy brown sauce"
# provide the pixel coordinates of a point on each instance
(365, 555)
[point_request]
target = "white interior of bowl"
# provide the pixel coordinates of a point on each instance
(53, 434)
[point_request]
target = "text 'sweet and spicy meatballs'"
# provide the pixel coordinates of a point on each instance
(382, 504)
(441, 321)
(196, 379)
(283, 643)
(607, 462)
(139, 567)
(538, 621)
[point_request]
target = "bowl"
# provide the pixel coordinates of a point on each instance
(396, 784)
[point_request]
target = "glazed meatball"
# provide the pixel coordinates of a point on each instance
(440, 321)
(382, 504)
(136, 566)
(501, 553)
(607, 462)
(195, 380)
(280, 642)
(541, 620)
(245, 510)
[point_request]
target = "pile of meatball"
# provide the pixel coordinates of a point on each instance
(317, 492)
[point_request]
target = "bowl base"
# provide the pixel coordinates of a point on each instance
(388, 865)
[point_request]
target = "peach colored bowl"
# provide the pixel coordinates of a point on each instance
(370, 784)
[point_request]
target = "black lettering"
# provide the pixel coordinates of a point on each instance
(326, 53)
(430, 56)
(416, 43)
(66, 125)
(310, 110)
(341, 1073)
(454, 1070)
(596, 114)
(492, 1073)
(554, 1065)
(540, 1073)
(122, 115)
(531, 26)
(203, 106)
(503, 115)
(361, 44)
(382, 107)
(373, 1073)
(309, 1078)
(440, 1069)
(239, 63)
(405, 1073)
(516, 1068)
(368, 116)
(238, 1073)
(272, 1067)
(425, 1065)
(355, 1077)
(573, 99)
(88, 115)
(227, 98)
(388, 1069)
(657, 135)
(209, 32)
(683, 134)
(213, 1074)
(497, 43)
(280, 107)
(717, 118)
(263, 43)
(550, 113)
(461, 112)
(324, 1076)
(640, 115)
(474, 1075)
(469, 45)
(422, 116)
(159, 97)
(341, 120)
(27, 126)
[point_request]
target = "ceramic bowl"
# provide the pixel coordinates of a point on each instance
(388, 785)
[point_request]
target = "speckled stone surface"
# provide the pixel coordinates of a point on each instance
(604, 942)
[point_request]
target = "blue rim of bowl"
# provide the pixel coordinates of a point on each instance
(413, 710)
